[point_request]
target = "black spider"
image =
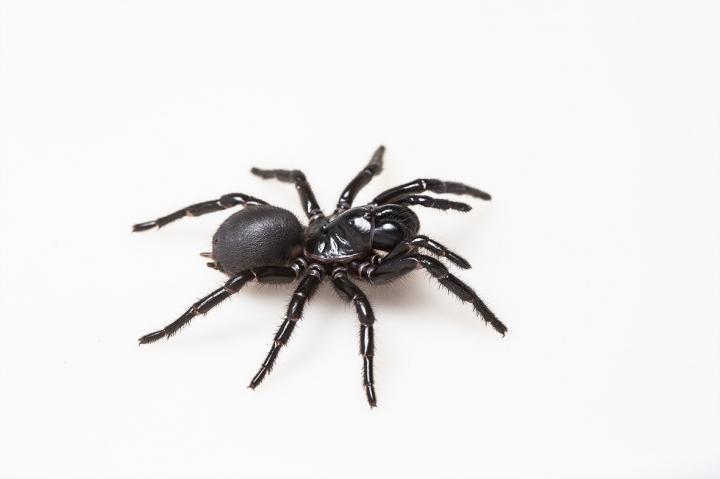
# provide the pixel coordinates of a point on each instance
(268, 244)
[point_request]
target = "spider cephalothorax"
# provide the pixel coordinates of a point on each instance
(377, 242)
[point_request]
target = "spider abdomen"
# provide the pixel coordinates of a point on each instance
(258, 235)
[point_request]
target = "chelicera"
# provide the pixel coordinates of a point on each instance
(377, 242)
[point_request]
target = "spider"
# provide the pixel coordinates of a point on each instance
(377, 242)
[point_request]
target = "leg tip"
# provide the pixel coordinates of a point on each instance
(152, 337)
(258, 378)
(144, 226)
(460, 261)
(371, 396)
(499, 327)
(489, 317)
(377, 158)
(479, 194)
(453, 205)
(260, 172)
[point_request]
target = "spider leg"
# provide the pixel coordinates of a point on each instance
(374, 167)
(349, 291)
(224, 202)
(389, 270)
(307, 287)
(430, 202)
(406, 247)
(307, 197)
(269, 274)
(428, 184)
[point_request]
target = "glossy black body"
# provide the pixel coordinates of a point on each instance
(355, 233)
(377, 242)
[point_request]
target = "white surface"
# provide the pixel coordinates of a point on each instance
(594, 125)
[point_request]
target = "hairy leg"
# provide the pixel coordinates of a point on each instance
(349, 291)
(428, 184)
(405, 247)
(307, 287)
(374, 167)
(388, 270)
(430, 202)
(307, 197)
(198, 209)
(270, 274)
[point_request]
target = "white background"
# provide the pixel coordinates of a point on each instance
(596, 126)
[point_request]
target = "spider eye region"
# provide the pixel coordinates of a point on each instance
(344, 237)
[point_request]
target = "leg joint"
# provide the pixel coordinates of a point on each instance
(339, 272)
(316, 270)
